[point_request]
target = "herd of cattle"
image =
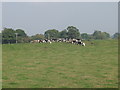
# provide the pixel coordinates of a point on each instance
(72, 41)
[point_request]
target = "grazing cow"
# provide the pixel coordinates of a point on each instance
(46, 40)
(59, 40)
(73, 41)
(49, 41)
(35, 41)
(54, 40)
(83, 44)
(80, 43)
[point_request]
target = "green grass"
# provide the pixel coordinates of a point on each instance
(61, 65)
(0, 66)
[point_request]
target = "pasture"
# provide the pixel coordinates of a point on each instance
(60, 65)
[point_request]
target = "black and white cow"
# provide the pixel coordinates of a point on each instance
(78, 42)
(73, 41)
(41, 41)
(81, 43)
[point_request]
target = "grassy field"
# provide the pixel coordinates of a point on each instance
(61, 65)
(0, 66)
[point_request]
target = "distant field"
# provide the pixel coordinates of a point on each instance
(61, 65)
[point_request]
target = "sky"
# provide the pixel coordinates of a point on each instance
(60, 0)
(0, 16)
(38, 17)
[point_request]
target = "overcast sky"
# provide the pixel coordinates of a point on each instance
(37, 17)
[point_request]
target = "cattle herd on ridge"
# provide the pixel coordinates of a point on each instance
(72, 41)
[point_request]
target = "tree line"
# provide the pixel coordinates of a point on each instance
(10, 35)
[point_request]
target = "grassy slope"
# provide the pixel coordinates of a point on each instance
(61, 65)
(0, 66)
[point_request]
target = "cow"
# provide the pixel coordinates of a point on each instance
(73, 41)
(49, 41)
(81, 43)
(34, 41)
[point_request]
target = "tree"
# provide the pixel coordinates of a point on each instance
(84, 36)
(101, 35)
(105, 35)
(37, 37)
(63, 34)
(26, 39)
(51, 34)
(116, 36)
(8, 35)
(97, 34)
(0, 38)
(90, 36)
(73, 32)
(20, 35)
